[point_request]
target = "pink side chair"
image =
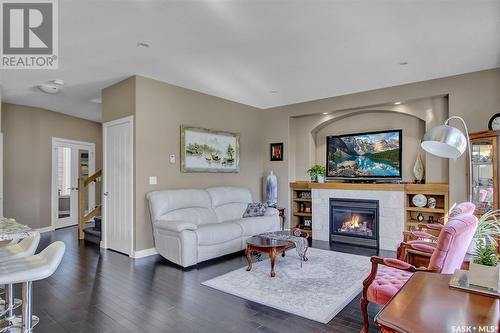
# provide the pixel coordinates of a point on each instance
(423, 243)
(382, 284)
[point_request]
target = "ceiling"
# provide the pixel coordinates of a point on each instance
(260, 53)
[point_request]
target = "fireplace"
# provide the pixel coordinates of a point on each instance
(354, 221)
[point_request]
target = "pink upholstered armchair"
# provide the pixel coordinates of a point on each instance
(382, 284)
(421, 243)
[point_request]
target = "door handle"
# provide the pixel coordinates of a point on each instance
(74, 188)
(106, 193)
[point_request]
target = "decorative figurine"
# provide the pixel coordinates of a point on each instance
(420, 217)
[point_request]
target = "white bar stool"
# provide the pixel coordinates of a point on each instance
(12, 251)
(25, 271)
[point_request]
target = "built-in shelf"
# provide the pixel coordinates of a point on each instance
(425, 209)
(302, 200)
(303, 214)
(439, 193)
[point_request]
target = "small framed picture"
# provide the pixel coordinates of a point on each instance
(277, 151)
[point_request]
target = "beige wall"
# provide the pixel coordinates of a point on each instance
(118, 100)
(28, 136)
(160, 110)
(474, 96)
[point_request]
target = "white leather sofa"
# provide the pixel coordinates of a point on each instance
(192, 225)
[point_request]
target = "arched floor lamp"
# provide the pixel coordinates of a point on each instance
(449, 142)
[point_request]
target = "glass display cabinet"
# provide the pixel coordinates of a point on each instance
(484, 171)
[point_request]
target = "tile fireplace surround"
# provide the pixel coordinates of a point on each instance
(391, 211)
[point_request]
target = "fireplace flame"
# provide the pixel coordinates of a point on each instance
(353, 223)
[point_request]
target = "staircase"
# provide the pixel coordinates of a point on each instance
(93, 233)
(90, 233)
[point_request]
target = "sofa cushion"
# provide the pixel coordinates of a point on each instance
(229, 203)
(194, 215)
(215, 233)
(255, 209)
(257, 225)
(181, 205)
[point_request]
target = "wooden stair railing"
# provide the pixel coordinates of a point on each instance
(82, 217)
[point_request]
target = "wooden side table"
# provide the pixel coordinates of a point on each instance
(282, 216)
(427, 304)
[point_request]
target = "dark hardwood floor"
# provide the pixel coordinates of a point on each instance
(103, 291)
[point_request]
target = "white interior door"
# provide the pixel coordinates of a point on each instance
(70, 160)
(118, 178)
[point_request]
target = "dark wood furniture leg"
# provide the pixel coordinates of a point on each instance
(282, 217)
(272, 256)
(248, 254)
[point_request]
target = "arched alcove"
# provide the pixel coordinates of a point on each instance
(308, 134)
(371, 121)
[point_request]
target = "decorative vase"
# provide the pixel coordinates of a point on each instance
(272, 190)
(484, 276)
(320, 178)
(418, 170)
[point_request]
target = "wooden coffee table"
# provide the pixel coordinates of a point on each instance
(272, 247)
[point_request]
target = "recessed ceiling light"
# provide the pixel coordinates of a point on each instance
(143, 44)
(325, 113)
(403, 63)
(274, 91)
(96, 100)
(397, 103)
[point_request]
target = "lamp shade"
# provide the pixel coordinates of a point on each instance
(444, 141)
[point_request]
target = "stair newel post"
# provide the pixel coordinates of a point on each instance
(81, 207)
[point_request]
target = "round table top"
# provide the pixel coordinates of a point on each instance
(266, 242)
(10, 230)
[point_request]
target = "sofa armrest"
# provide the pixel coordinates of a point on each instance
(176, 226)
(270, 211)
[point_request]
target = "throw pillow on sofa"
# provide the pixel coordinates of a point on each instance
(255, 209)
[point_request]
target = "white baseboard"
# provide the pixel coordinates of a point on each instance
(143, 253)
(46, 229)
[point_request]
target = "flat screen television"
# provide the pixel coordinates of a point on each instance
(364, 156)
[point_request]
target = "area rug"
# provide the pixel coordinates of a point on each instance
(319, 290)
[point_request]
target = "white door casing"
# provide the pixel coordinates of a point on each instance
(75, 146)
(1, 174)
(118, 185)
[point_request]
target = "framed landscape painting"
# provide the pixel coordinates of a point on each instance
(206, 150)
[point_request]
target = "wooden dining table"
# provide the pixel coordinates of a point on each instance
(427, 304)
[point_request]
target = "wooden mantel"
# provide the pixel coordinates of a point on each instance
(429, 187)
